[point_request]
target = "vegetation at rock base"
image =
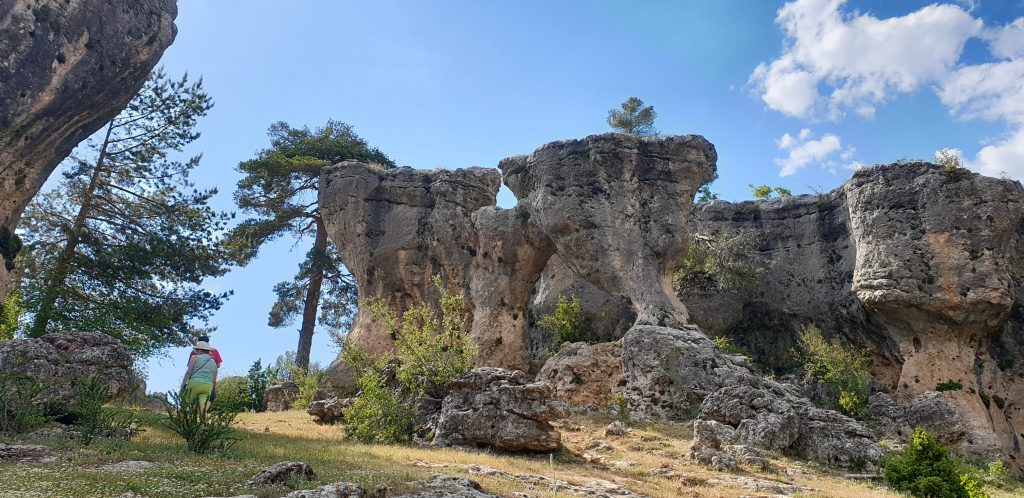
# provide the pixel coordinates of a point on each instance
(279, 188)
(309, 382)
(927, 470)
(93, 419)
(19, 411)
(761, 192)
(233, 394)
(949, 386)
(430, 351)
(727, 346)
(125, 242)
(729, 260)
(203, 432)
(843, 371)
(567, 323)
(633, 118)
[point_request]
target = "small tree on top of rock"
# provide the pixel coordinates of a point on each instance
(633, 118)
(762, 192)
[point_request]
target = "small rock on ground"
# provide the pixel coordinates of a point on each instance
(336, 490)
(281, 472)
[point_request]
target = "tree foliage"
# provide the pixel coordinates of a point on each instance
(633, 118)
(10, 315)
(125, 242)
(567, 322)
(927, 470)
(279, 189)
(762, 192)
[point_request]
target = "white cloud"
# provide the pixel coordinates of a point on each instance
(862, 59)
(1008, 41)
(1005, 157)
(805, 151)
(993, 91)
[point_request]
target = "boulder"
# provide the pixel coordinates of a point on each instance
(26, 453)
(500, 409)
(442, 486)
(279, 397)
(669, 371)
(336, 490)
(68, 68)
(773, 417)
(584, 375)
(932, 411)
(60, 359)
(330, 410)
(281, 472)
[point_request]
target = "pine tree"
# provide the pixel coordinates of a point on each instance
(280, 188)
(633, 118)
(123, 244)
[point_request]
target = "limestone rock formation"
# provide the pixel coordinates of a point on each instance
(330, 410)
(584, 375)
(335, 490)
(612, 207)
(60, 359)
(670, 371)
(500, 409)
(279, 397)
(67, 68)
(281, 472)
(918, 265)
(771, 417)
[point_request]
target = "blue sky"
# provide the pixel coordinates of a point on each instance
(467, 83)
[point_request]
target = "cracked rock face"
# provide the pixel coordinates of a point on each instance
(920, 267)
(500, 409)
(67, 68)
(613, 208)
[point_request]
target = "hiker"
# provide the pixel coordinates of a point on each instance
(216, 357)
(201, 377)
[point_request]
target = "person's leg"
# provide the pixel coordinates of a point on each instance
(203, 395)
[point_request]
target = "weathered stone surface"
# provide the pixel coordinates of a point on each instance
(629, 197)
(442, 486)
(774, 418)
(932, 411)
(330, 410)
(26, 453)
(280, 396)
(920, 267)
(281, 472)
(336, 490)
(670, 371)
(60, 359)
(586, 376)
(500, 409)
(67, 68)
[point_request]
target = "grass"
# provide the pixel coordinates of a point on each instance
(268, 438)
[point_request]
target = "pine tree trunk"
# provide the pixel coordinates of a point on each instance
(62, 267)
(312, 302)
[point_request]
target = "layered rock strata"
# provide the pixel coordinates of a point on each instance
(612, 207)
(67, 68)
(919, 265)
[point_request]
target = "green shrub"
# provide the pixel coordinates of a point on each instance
(567, 323)
(761, 192)
(952, 165)
(93, 419)
(845, 372)
(927, 470)
(203, 432)
(730, 260)
(10, 246)
(727, 346)
(378, 415)
(19, 411)
(232, 394)
(431, 351)
(949, 386)
(256, 385)
(309, 382)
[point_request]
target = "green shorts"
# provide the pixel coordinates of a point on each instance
(198, 391)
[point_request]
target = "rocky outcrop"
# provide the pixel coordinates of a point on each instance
(67, 68)
(279, 397)
(335, 490)
(771, 417)
(330, 410)
(585, 375)
(918, 265)
(612, 207)
(281, 472)
(670, 371)
(500, 409)
(57, 361)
